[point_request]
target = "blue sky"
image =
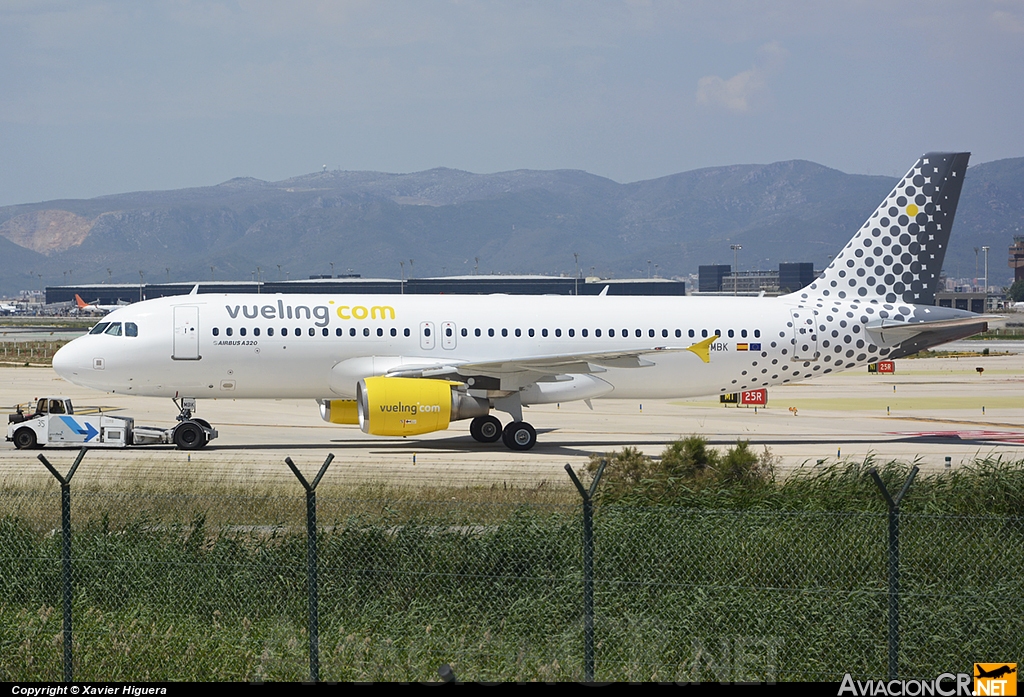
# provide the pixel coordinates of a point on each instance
(105, 97)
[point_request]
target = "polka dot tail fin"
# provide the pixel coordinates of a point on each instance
(896, 256)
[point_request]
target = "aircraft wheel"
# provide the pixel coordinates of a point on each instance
(485, 429)
(203, 422)
(24, 439)
(189, 436)
(519, 435)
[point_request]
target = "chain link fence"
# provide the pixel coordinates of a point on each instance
(176, 586)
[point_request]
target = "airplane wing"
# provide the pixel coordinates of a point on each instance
(551, 365)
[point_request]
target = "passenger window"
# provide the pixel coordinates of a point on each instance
(426, 331)
(284, 331)
(558, 333)
(270, 331)
(583, 332)
(490, 332)
(743, 333)
(241, 332)
(519, 332)
(731, 334)
(447, 331)
(352, 331)
(476, 332)
(504, 332)
(229, 331)
(100, 328)
(679, 333)
(690, 333)
(544, 332)
(256, 331)
(339, 331)
(530, 332)
(366, 331)
(312, 332)
(639, 333)
(114, 329)
(650, 333)
(611, 333)
(394, 332)
(380, 331)
(572, 332)
(597, 332)
(131, 329)
(216, 331)
(757, 333)
(664, 332)
(406, 331)
(704, 333)
(325, 332)
(465, 332)
(718, 332)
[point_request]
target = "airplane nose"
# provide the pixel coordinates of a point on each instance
(64, 361)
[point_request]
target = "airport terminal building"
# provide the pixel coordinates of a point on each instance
(113, 293)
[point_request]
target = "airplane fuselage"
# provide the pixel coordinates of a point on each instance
(319, 346)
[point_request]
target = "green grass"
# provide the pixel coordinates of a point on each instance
(788, 575)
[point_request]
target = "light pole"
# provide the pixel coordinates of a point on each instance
(735, 265)
(975, 266)
(576, 276)
(141, 281)
(985, 289)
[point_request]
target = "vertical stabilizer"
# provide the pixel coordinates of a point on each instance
(897, 254)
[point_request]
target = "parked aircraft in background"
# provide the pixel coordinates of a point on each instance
(407, 365)
(94, 308)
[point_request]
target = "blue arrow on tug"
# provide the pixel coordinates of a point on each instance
(89, 431)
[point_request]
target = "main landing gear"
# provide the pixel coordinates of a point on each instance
(191, 433)
(518, 435)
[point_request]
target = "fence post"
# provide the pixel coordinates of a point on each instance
(894, 565)
(65, 552)
(311, 561)
(588, 567)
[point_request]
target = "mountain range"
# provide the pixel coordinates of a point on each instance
(448, 222)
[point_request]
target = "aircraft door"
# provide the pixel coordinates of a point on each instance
(186, 333)
(427, 336)
(805, 334)
(448, 337)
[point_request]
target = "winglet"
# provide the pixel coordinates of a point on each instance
(195, 290)
(604, 291)
(703, 348)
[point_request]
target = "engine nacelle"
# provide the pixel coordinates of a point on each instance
(339, 411)
(410, 406)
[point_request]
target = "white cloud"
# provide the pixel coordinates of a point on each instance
(742, 91)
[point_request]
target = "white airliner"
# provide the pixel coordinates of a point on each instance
(407, 365)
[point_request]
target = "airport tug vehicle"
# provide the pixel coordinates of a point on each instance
(54, 423)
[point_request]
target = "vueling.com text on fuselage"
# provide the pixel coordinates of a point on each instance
(321, 313)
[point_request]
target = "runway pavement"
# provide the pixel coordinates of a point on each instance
(930, 409)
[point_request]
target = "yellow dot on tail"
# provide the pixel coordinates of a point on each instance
(912, 210)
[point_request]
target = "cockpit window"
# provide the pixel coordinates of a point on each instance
(131, 329)
(98, 329)
(114, 329)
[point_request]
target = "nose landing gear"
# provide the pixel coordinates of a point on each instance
(191, 433)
